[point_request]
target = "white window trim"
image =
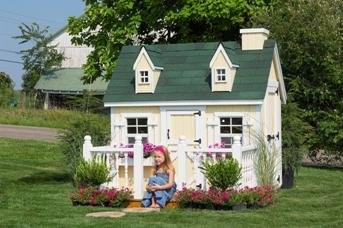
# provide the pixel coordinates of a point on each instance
(218, 115)
(140, 77)
(227, 75)
(125, 116)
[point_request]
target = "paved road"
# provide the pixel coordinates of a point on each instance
(24, 132)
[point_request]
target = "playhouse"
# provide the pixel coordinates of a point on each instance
(190, 96)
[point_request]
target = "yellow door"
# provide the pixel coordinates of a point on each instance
(182, 124)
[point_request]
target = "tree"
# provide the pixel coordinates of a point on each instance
(6, 81)
(6, 89)
(309, 36)
(38, 59)
(108, 25)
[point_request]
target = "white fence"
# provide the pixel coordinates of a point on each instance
(119, 157)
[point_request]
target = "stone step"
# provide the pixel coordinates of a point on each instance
(134, 203)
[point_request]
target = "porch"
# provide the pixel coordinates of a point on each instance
(133, 172)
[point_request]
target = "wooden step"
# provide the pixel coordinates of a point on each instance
(137, 203)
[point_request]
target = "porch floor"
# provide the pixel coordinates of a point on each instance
(134, 203)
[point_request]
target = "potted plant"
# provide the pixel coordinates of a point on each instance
(295, 134)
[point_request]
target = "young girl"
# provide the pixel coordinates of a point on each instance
(161, 186)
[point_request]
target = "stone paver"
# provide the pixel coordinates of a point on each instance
(110, 214)
(141, 210)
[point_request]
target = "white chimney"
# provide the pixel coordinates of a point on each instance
(253, 38)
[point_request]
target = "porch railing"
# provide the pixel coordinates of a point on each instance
(116, 157)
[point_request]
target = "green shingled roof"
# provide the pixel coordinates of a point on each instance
(186, 73)
(68, 81)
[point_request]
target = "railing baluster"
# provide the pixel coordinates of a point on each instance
(203, 159)
(126, 170)
(117, 169)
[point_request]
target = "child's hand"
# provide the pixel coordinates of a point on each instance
(149, 188)
(155, 187)
(152, 188)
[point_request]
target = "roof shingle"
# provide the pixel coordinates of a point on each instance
(68, 80)
(186, 73)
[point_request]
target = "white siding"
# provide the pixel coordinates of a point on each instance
(75, 56)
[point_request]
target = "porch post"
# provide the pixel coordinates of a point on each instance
(181, 163)
(237, 154)
(236, 149)
(87, 146)
(138, 168)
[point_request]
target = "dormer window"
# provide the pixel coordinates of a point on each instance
(146, 72)
(223, 71)
(144, 76)
(221, 75)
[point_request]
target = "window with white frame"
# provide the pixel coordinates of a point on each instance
(220, 75)
(137, 126)
(144, 76)
(230, 127)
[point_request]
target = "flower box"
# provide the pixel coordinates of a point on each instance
(146, 161)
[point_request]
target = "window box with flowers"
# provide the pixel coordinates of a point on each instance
(148, 150)
(218, 155)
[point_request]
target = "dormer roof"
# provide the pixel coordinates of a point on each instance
(153, 57)
(221, 49)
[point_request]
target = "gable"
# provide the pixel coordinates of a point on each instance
(75, 55)
(186, 73)
(222, 71)
(146, 72)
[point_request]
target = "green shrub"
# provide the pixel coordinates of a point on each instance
(295, 136)
(222, 174)
(91, 173)
(72, 139)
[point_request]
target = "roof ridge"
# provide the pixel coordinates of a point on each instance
(57, 33)
(159, 51)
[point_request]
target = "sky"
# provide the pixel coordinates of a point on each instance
(52, 13)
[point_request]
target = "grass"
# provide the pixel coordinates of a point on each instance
(34, 192)
(53, 118)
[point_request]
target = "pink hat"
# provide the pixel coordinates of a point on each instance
(160, 149)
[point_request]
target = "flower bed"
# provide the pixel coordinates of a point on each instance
(107, 197)
(261, 196)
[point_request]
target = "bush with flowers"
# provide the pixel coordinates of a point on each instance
(148, 149)
(260, 196)
(107, 197)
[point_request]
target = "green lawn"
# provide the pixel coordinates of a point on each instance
(34, 192)
(53, 118)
